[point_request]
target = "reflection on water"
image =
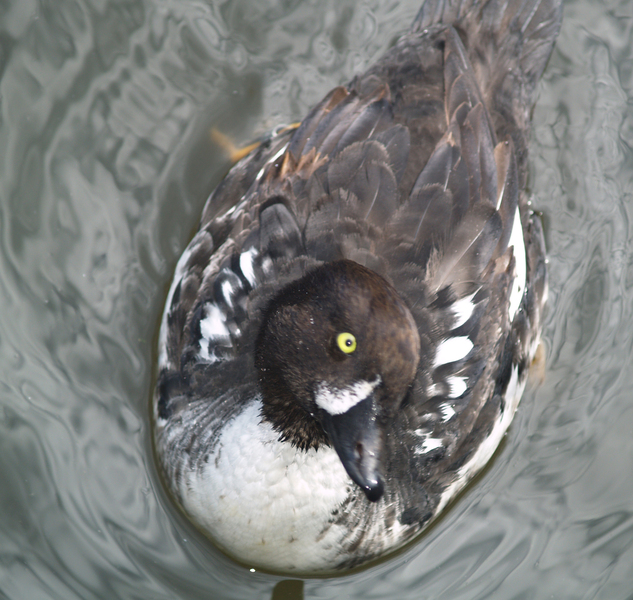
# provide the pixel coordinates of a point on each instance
(106, 162)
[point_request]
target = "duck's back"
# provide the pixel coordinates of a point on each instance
(415, 170)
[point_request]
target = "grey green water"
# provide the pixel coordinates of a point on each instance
(105, 163)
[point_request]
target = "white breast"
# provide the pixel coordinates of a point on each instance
(266, 502)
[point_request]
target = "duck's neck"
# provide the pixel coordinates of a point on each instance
(293, 423)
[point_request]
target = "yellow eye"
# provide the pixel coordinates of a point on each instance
(346, 342)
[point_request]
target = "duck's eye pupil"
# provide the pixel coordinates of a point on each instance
(346, 342)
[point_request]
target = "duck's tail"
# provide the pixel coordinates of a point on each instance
(508, 43)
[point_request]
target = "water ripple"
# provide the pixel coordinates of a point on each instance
(105, 108)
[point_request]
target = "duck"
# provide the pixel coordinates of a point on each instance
(348, 334)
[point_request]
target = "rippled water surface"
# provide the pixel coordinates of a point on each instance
(105, 163)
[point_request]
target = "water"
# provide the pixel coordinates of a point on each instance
(105, 163)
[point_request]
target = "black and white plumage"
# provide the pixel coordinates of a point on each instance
(347, 336)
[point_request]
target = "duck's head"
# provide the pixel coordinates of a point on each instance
(336, 354)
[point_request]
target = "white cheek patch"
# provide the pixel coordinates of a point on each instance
(518, 287)
(452, 350)
(337, 402)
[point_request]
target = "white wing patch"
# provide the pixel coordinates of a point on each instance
(212, 329)
(518, 287)
(227, 290)
(463, 310)
(213, 326)
(270, 161)
(246, 265)
(428, 443)
(448, 412)
(164, 327)
(452, 349)
(457, 386)
(487, 448)
(337, 402)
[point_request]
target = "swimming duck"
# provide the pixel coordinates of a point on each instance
(348, 335)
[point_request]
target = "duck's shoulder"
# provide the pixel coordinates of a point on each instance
(223, 263)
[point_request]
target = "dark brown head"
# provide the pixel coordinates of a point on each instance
(336, 354)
